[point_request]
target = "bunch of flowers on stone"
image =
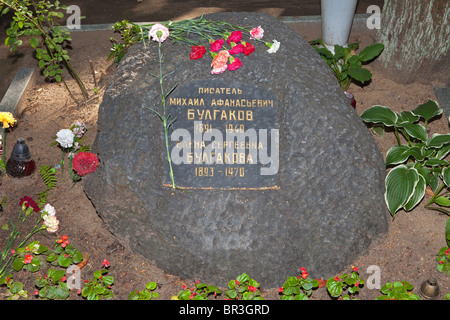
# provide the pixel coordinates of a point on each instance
(226, 57)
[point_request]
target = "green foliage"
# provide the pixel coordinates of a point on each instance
(99, 287)
(146, 294)
(201, 291)
(418, 163)
(24, 257)
(336, 286)
(53, 285)
(398, 291)
(298, 288)
(49, 177)
(36, 21)
(243, 288)
(443, 261)
(15, 289)
(346, 64)
(64, 255)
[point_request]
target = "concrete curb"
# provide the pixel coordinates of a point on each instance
(16, 89)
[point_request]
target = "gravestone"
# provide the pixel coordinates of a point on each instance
(292, 177)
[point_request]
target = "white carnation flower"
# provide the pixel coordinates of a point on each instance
(274, 47)
(65, 138)
(49, 209)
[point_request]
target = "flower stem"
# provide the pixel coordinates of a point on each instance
(166, 124)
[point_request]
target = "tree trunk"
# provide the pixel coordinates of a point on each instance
(416, 35)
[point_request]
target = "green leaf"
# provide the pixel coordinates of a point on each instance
(360, 74)
(371, 52)
(428, 110)
(443, 201)
(417, 131)
(334, 287)
(380, 114)
(34, 42)
(17, 264)
(419, 193)
(407, 117)
(438, 140)
(400, 186)
(445, 174)
(399, 154)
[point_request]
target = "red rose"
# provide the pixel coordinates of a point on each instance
(235, 37)
(197, 52)
(216, 45)
(84, 163)
(248, 49)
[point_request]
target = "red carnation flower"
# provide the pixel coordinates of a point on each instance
(235, 37)
(29, 202)
(216, 45)
(197, 52)
(84, 163)
(248, 49)
(236, 64)
(239, 48)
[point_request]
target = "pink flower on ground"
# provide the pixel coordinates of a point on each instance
(236, 64)
(257, 33)
(216, 45)
(235, 37)
(219, 63)
(106, 263)
(28, 259)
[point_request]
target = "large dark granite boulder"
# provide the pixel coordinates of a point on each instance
(320, 210)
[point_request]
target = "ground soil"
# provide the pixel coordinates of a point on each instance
(406, 252)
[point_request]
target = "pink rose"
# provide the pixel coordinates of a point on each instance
(216, 45)
(239, 48)
(236, 64)
(257, 33)
(235, 37)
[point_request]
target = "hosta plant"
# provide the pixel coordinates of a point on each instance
(416, 163)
